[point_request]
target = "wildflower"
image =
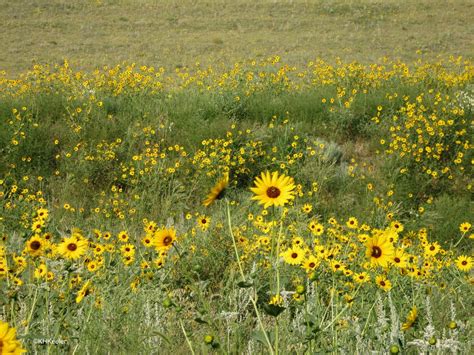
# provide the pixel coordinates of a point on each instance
(316, 228)
(310, 263)
(400, 259)
(293, 256)
(72, 247)
(396, 226)
(276, 300)
(379, 250)
(92, 266)
(432, 249)
(42, 213)
(8, 342)
(127, 249)
(147, 241)
(352, 223)
(307, 208)
(123, 236)
(217, 192)
(83, 292)
(361, 277)
(204, 222)
(164, 238)
(35, 245)
(464, 263)
(40, 271)
(411, 319)
(383, 283)
(273, 189)
(465, 227)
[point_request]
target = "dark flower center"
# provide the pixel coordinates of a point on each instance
(312, 265)
(432, 248)
(464, 263)
(72, 246)
(273, 192)
(221, 194)
(294, 255)
(397, 260)
(382, 283)
(376, 252)
(167, 240)
(35, 245)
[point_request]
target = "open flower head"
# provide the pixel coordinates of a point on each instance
(8, 342)
(272, 189)
(380, 250)
(72, 247)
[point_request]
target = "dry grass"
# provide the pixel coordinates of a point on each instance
(178, 32)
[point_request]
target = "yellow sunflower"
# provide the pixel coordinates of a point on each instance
(361, 277)
(217, 192)
(164, 238)
(379, 250)
(464, 263)
(8, 342)
(273, 189)
(311, 263)
(85, 290)
(72, 247)
(36, 245)
(400, 259)
(383, 283)
(411, 319)
(293, 256)
(204, 222)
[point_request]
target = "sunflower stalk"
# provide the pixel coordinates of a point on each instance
(242, 274)
(186, 336)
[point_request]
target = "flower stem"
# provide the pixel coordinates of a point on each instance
(254, 303)
(186, 336)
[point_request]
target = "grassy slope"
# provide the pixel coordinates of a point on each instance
(174, 33)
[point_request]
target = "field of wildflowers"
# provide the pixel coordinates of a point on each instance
(261, 207)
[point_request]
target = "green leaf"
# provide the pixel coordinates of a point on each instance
(273, 310)
(244, 284)
(200, 320)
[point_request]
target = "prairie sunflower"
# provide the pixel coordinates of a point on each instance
(311, 263)
(307, 208)
(464, 227)
(361, 277)
(147, 241)
(293, 256)
(352, 223)
(383, 283)
(72, 247)
(8, 342)
(400, 259)
(273, 189)
(164, 238)
(85, 290)
(217, 192)
(411, 319)
(379, 250)
(127, 249)
(35, 245)
(204, 222)
(464, 263)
